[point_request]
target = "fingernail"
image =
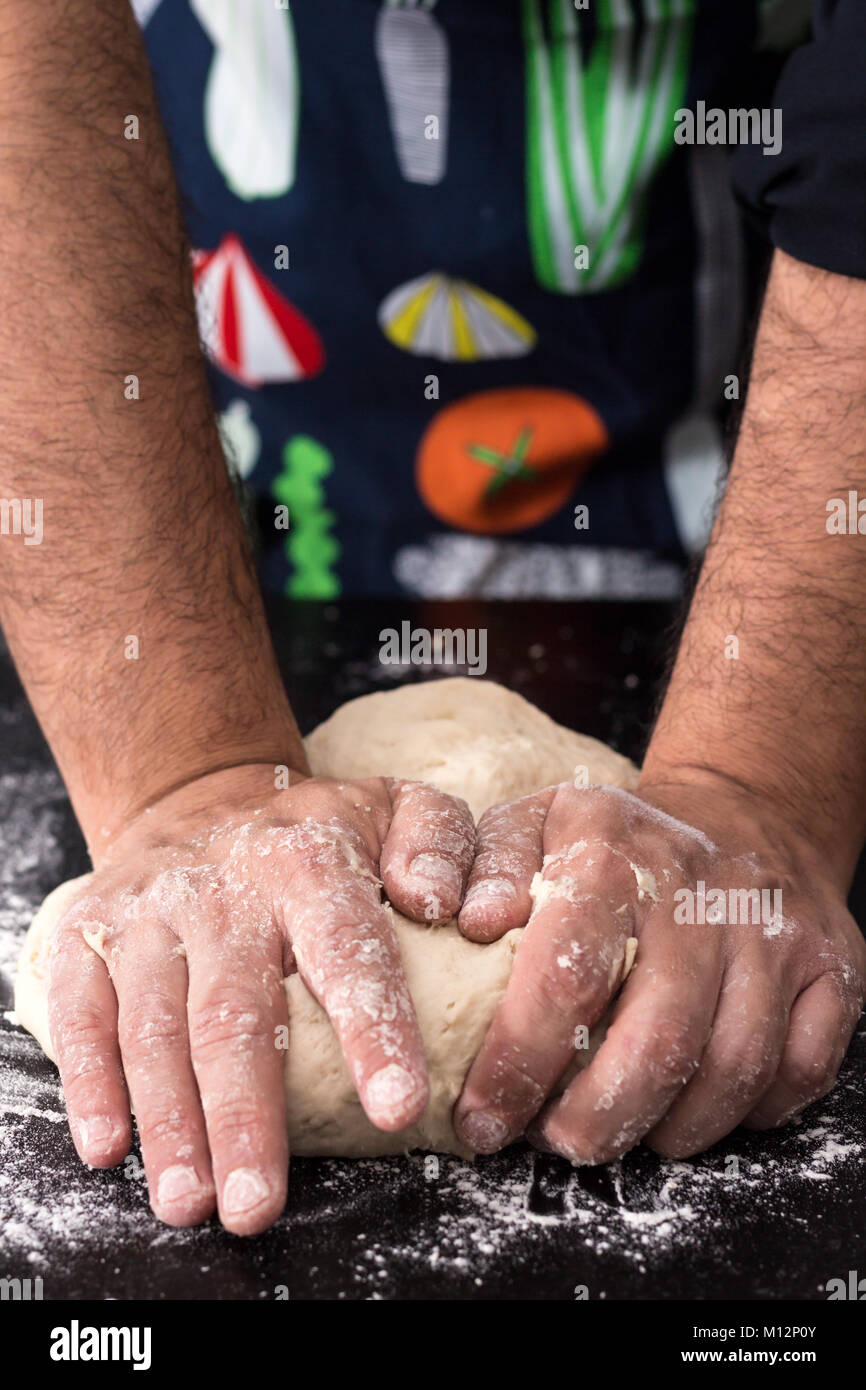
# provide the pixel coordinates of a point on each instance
(389, 1092)
(177, 1182)
(243, 1191)
(96, 1134)
(486, 889)
(432, 868)
(483, 1132)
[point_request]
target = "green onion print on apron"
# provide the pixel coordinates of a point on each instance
(412, 53)
(598, 128)
(310, 546)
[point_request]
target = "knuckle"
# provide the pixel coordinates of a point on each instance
(436, 848)
(79, 1036)
(226, 1018)
(369, 1013)
(150, 1025)
(750, 1066)
(508, 821)
(557, 988)
(307, 853)
(548, 992)
(848, 978)
(353, 958)
(498, 820)
(168, 1131)
(809, 1075)
(514, 1073)
(89, 910)
(232, 1124)
(672, 1052)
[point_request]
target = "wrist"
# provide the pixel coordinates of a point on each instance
(201, 792)
(761, 809)
(106, 806)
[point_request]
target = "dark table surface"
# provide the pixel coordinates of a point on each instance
(758, 1217)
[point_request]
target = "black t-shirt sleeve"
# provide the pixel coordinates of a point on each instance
(811, 196)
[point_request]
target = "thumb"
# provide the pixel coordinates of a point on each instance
(427, 854)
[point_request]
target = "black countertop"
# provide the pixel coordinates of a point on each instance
(758, 1217)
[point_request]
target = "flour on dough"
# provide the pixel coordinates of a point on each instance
(469, 737)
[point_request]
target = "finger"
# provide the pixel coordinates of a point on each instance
(348, 955)
(236, 1007)
(427, 853)
(150, 979)
(569, 963)
(822, 1022)
(82, 1015)
(738, 1064)
(653, 1046)
(508, 854)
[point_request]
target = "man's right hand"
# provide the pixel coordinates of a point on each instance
(166, 978)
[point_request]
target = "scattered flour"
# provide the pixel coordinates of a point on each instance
(383, 1222)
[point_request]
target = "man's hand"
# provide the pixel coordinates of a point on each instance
(753, 779)
(166, 980)
(719, 1023)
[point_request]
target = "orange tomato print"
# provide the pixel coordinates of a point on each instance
(506, 460)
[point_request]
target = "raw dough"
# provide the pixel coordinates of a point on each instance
(467, 736)
(470, 737)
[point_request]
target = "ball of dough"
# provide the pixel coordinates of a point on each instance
(467, 736)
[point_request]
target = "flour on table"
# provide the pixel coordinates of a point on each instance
(469, 737)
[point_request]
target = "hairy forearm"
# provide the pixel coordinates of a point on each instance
(769, 686)
(141, 534)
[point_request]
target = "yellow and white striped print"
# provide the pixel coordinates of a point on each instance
(453, 320)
